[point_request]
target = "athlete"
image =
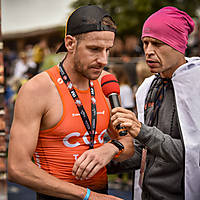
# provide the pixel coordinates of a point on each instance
(61, 116)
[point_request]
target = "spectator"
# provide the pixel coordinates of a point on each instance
(40, 50)
(22, 65)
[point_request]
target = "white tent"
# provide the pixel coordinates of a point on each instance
(22, 16)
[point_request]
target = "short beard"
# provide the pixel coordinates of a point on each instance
(78, 67)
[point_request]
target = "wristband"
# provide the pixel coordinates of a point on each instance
(119, 145)
(87, 194)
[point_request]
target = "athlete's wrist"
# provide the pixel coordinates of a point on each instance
(113, 150)
(118, 146)
(87, 194)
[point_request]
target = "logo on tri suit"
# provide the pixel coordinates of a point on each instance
(66, 140)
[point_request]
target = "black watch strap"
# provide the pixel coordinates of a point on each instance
(118, 144)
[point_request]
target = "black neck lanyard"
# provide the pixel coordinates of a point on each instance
(154, 100)
(90, 128)
(161, 85)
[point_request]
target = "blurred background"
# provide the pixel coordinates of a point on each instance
(30, 33)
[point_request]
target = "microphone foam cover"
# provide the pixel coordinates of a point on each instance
(110, 85)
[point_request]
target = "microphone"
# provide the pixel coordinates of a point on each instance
(111, 90)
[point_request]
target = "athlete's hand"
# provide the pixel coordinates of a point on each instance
(126, 118)
(91, 161)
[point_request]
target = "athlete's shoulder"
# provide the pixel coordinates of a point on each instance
(40, 85)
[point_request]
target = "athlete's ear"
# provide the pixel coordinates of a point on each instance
(70, 43)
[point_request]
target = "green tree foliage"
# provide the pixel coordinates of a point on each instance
(130, 15)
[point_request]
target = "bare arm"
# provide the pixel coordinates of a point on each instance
(29, 109)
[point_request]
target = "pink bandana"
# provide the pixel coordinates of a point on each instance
(171, 26)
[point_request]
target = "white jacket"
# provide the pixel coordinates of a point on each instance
(186, 82)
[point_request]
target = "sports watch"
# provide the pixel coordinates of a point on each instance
(119, 145)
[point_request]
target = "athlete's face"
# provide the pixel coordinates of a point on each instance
(161, 58)
(91, 53)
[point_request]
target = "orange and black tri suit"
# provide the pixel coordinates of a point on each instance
(59, 146)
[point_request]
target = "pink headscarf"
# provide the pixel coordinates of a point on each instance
(171, 26)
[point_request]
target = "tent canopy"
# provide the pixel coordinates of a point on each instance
(25, 16)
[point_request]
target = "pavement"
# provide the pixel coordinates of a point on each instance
(18, 192)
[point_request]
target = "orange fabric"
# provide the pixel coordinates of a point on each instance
(59, 146)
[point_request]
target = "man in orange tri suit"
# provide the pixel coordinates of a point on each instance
(61, 116)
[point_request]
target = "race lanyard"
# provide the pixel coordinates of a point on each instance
(160, 85)
(90, 128)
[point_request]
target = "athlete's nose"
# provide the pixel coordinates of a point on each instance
(103, 58)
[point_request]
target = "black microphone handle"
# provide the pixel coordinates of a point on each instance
(114, 102)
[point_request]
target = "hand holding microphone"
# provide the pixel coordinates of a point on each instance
(111, 90)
